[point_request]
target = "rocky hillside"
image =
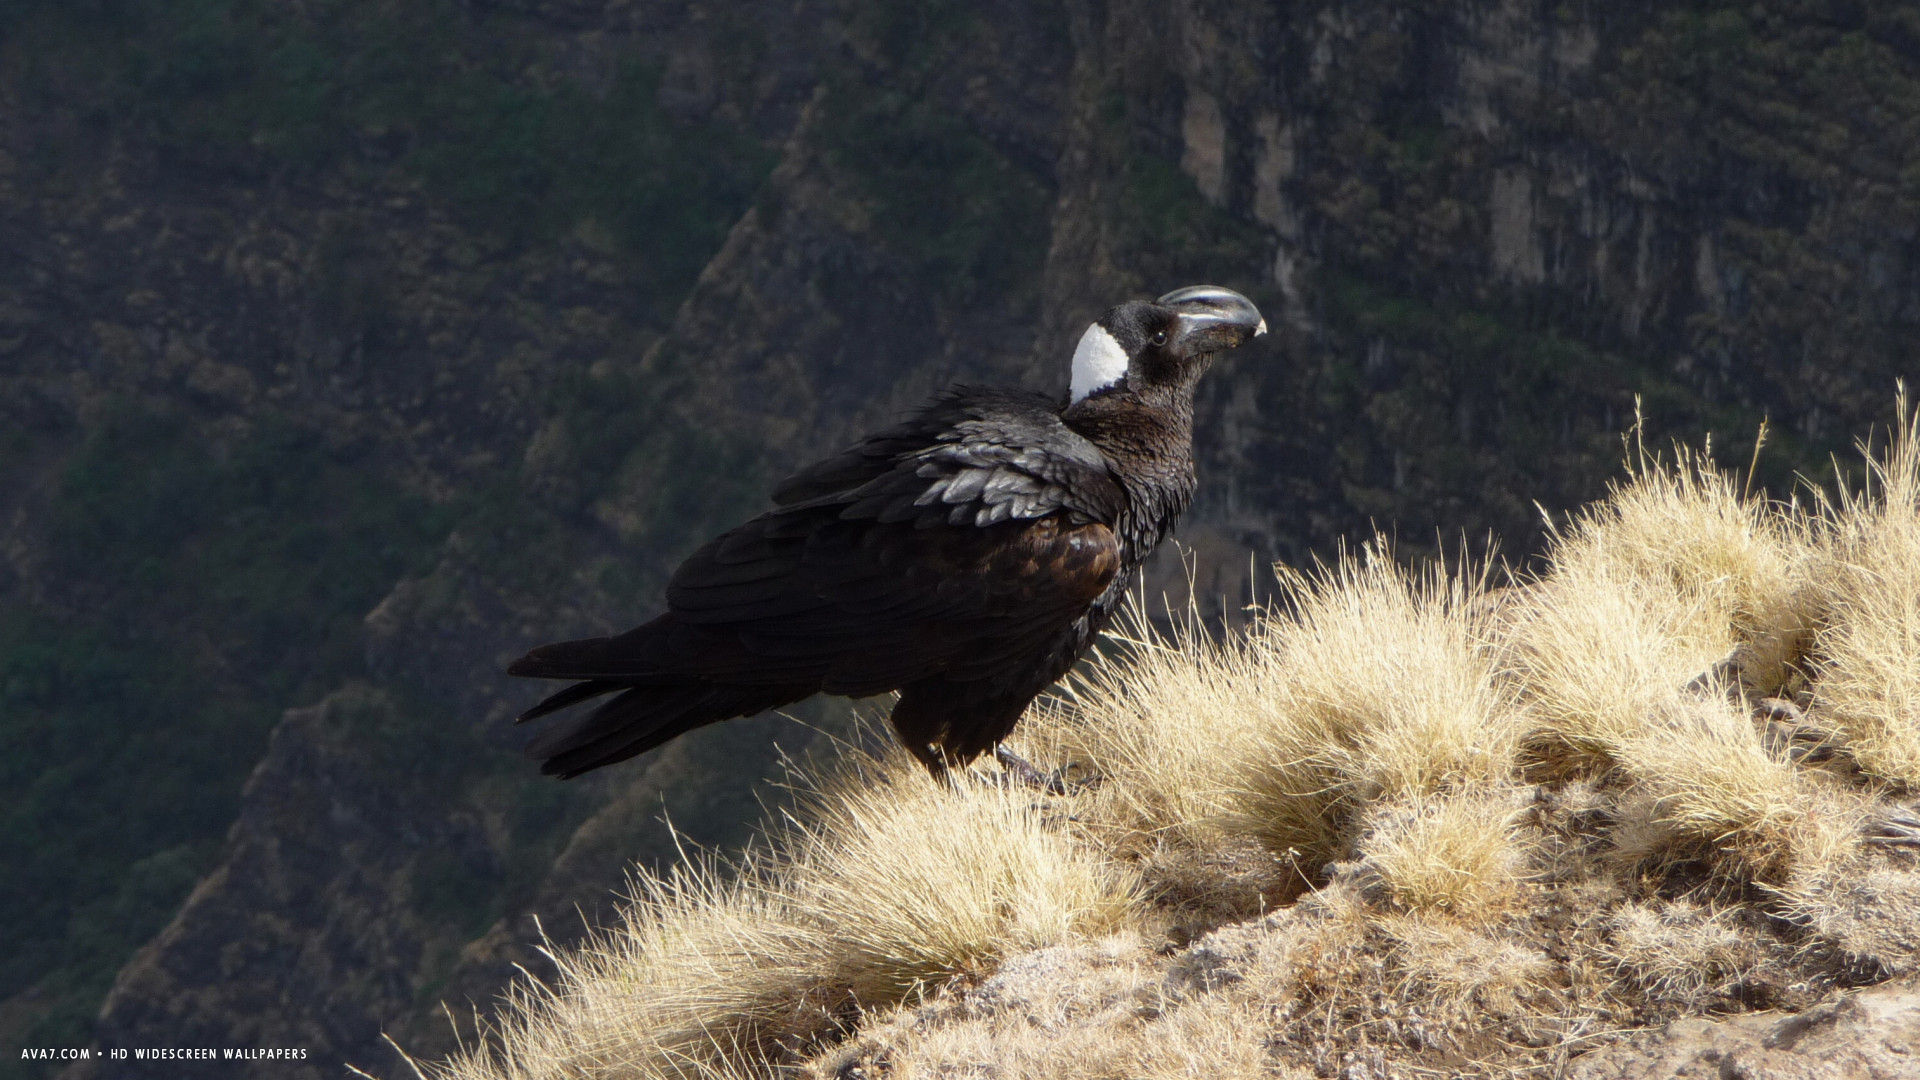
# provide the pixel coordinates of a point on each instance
(349, 348)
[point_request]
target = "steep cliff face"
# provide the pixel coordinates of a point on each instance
(286, 296)
(1489, 227)
(554, 290)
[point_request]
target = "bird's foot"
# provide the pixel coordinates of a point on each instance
(1900, 828)
(1022, 770)
(1787, 730)
(1724, 674)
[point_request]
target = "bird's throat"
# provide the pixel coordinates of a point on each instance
(1147, 437)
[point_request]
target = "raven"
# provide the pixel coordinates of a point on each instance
(965, 557)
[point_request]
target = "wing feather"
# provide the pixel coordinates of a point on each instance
(952, 550)
(958, 540)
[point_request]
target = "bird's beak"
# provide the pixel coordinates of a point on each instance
(1213, 318)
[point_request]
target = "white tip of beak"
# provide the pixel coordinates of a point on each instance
(1261, 329)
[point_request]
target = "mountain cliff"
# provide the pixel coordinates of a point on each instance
(349, 348)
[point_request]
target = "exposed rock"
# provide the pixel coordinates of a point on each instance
(1869, 1034)
(1205, 137)
(1516, 251)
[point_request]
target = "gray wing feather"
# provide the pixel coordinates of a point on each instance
(972, 457)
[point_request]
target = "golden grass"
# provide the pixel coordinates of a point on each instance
(1868, 594)
(1676, 573)
(1592, 655)
(1702, 784)
(904, 903)
(1159, 774)
(1458, 853)
(1724, 570)
(1404, 821)
(1390, 691)
(885, 885)
(705, 971)
(1370, 682)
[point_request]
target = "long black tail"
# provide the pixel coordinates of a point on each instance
(644, 717)
(651, 708)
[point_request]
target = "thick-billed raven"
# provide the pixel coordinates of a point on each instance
(965, 557)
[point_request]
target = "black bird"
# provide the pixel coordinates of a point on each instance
(965, 557)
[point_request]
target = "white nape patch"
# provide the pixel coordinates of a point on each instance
(1098, 362)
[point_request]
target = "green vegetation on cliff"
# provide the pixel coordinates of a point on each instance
(489, 123)
(201, 576)
(204, 583)
(943, 198)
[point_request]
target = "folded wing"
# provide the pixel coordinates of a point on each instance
(955, 546)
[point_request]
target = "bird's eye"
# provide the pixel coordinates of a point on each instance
(1159, 338)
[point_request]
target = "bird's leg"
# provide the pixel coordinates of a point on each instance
(937, 763)
(1022, 770)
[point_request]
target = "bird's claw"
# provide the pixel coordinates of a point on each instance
(1023, 771)
(1898, 829)
(1724, 674)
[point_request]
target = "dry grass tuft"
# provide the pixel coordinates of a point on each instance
(1390, 669)
(1401, 824)
(1677, 572)
(1866, 916)
(1157, 775)
(1592, 655)
(1679, 952)
(1372, 681)
(1733, 566)
(1460, 974)
(884, 886)
(906, 902)
(1868, 641)
(706, 972)
(1457, 853)
(1704, 786)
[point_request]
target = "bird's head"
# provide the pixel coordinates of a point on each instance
(1166, 341)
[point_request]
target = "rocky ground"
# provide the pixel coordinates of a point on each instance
(1070, 999)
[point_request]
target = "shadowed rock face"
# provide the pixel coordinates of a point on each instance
(1479, 231)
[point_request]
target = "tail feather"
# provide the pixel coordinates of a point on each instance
(642, 652)
(583, 659)
(572, 695)
(642, 718)
(655, 698)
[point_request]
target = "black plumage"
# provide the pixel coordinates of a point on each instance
(965, 557)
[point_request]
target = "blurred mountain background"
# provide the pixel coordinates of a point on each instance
(350, 347)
